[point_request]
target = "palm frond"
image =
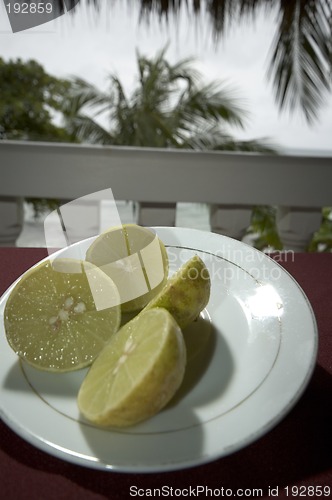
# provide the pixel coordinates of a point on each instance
(220, 13)
(86, 129)
(154, 89)
(117, 91)
(212, 103)
(213, 138)
(83, 94)
(301, 60)
(207, 137)
(262, 145)
(185, 70)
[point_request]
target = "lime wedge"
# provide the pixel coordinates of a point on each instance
(137, 373)
(61, 314)
(135, 259)
(186, 293)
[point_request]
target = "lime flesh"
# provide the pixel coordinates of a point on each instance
(61, 314)
(137, 373)
(136, 260)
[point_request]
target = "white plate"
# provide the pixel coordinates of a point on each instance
(257, 342)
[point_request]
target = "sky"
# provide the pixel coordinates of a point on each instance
(93, 46)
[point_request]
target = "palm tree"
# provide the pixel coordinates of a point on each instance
(169, 107)
(301, 52)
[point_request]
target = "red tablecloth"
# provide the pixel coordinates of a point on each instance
(296, 453)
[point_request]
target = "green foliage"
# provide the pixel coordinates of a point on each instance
(322, 239)
(264, 229)
(42, 205)
(29, 100)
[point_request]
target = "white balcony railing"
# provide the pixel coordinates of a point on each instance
(229, 183)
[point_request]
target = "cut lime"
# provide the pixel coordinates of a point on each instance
(61, 314)
(186, 293)
(137, 373)
(135, 259)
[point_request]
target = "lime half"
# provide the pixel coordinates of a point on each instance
(137, 373)
(136, 260)
(61, 314)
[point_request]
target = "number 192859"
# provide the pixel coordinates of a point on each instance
(307, 491)
(29, 8)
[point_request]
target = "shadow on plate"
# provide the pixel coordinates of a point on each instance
(22, 377)
(144, 448)
(206, 377)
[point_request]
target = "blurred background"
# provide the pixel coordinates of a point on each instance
(241, 75)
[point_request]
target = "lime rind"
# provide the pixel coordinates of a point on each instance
(186, 293)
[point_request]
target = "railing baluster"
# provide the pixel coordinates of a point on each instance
(11, 220)
(230, 220)
(296, 226)
(156, 214)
